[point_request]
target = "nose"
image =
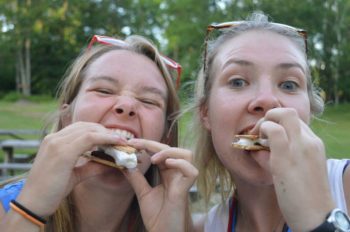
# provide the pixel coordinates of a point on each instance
(125, 106)
(264, 99)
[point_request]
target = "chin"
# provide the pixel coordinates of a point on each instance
(100, 174)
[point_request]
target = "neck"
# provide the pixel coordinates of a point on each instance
(101, 210)
(258, 209)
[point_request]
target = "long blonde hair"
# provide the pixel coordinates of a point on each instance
(211, 171)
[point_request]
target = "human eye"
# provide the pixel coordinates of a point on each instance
(290, 86)
(237, 83)
(149, 101)
(104, 91)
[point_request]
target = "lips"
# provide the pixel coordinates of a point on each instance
(246, 130)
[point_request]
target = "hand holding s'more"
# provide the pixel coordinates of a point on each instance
(250, 143)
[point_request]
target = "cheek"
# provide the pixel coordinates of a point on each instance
(225, 117)
(224, 111)
(302, 106)
(83, 110)
(153, 125)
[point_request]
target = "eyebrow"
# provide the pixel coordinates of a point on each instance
(286, 65)
(102, 78)
(237, 61)
(291, 65)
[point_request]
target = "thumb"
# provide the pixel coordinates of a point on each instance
(138, 182)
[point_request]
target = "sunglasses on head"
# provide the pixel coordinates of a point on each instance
(106, 40)
(225, 25)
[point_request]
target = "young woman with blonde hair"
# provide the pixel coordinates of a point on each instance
(118, 93)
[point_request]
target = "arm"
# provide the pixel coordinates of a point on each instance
(13, 221)
(55, 171)
(297, 163)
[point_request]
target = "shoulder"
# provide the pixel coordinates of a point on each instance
(339, 181)
(331, 163)
(336, 169)
(9, 192)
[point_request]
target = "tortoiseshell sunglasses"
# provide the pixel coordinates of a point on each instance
(224, 25)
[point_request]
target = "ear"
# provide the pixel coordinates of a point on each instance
(65, 115)
(204, 116)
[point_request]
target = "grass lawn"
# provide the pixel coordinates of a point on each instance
(333, 127)
(24, 115)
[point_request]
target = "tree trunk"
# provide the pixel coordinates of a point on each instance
(27, 86)
(24, 67)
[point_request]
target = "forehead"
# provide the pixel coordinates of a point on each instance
(261, 45)
(127, 67)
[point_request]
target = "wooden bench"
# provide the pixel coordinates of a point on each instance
(21, 133)
(9, 146)
(18, 166)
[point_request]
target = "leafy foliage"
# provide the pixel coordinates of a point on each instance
(60, 29)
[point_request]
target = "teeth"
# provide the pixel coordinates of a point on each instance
(123, 133)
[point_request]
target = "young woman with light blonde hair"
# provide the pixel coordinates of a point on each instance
(117, 93)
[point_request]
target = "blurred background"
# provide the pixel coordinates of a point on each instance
(39, 38)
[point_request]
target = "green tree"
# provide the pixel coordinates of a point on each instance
(39, 40)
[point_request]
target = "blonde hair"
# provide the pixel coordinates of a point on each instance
(211, 171)
(63, 220)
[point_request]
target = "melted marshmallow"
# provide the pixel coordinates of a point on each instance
(122, 158)
(246, 142)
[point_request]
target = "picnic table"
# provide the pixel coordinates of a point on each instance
(18, 133)
(15, 142)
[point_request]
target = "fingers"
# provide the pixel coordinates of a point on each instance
(273, 130)
(148, 145)
(162, 151)
(176, 169)
(78, 138)
(288, 118)
(138, 182)
(187, 169)
(175, 153)
(175, 164)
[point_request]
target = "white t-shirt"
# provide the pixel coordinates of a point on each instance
(336, 169)
(217, 217)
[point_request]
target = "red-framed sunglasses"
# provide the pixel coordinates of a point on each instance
(224, 25)
(106, 40)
